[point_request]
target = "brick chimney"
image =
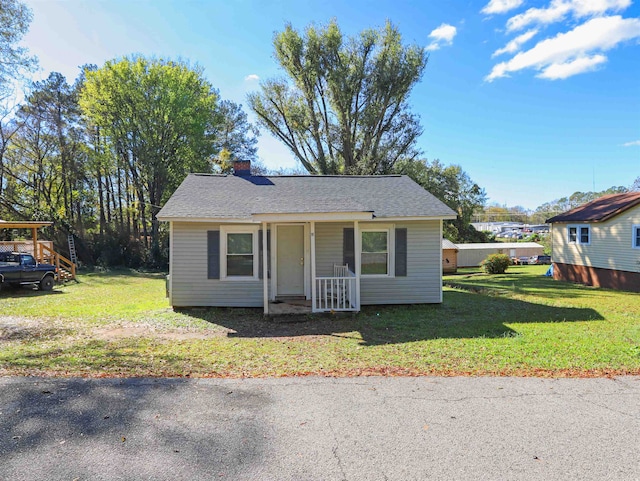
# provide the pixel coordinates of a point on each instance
(242, 168)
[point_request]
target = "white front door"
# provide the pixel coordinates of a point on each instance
(290, 260)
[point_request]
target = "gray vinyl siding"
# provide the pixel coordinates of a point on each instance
(329, 246)
(189, 282)
(191, 287)
(610, 246)
(423, 283)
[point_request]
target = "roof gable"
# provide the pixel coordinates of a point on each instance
(600, 209)
(206, 196)
(447, 244)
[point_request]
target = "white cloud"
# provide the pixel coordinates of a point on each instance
(443, 35)
(565, 70)
(251, 78)
(515, 44)
(501, 6)
(634, 143)
(572, 53)
(559, 9)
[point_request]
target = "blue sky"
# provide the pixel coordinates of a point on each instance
(534, 99)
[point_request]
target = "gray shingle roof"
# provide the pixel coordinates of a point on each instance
(205, 196)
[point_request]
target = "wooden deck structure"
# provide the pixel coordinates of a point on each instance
(43, 251)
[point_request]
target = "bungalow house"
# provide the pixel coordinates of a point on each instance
(598, 243)
(336, 242)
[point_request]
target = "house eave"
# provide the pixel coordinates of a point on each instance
(216, 220)
(410, 218)
(312, 216)
(304, 217)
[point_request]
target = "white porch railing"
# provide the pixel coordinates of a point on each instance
(336, 293)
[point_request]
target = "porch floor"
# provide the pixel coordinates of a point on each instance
(292, 306)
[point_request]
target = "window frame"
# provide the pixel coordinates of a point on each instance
(225, 230)
(391, 249)
(635, 236)
(578, 228)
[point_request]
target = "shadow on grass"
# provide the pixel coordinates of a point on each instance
(26, 291)
(521, 280)
(463, 315)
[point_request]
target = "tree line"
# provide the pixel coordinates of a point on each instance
(101, 155)
(498, 213)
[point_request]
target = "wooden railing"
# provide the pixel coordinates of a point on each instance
(64, 267)
(336, 294)
(25, 247)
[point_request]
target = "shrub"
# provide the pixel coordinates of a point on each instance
(495, 263)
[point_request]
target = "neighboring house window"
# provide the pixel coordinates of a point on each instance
(239, 252)
(636, 236)
(585, 235)
(579, 234)
(376, 252)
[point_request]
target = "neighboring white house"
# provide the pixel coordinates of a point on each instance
(598, 243)
(471, 255)
(337, 241)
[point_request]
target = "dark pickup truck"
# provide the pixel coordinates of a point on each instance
(19, 269)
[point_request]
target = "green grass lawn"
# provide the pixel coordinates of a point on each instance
(519, 323)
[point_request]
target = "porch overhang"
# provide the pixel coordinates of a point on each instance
(33, 226)
(312, 216)
(24, 224)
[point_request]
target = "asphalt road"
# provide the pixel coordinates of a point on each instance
(320, 429)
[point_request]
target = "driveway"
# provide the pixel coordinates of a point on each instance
(320, 429)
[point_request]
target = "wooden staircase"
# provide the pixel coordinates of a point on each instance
(66, 269)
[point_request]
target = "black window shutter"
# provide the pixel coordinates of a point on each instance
(401, 252)
(260, 261)
(349, 249)
(213, 251)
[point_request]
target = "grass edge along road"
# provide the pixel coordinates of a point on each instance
(519, 323)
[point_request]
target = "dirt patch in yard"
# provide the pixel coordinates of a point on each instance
(178, 334)
(15, 328)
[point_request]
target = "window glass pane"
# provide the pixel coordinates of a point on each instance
(240, 243)
(637, 236)
(584, 235)
(240, 265)
(374, 263)
(374, 241)
(573, 234)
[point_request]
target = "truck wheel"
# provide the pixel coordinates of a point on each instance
(46, 284)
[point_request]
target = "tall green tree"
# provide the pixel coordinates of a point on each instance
(46, 156)
(344, 108)
(235, 138)
(15, 18)
(454, 187)
(157, 116)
